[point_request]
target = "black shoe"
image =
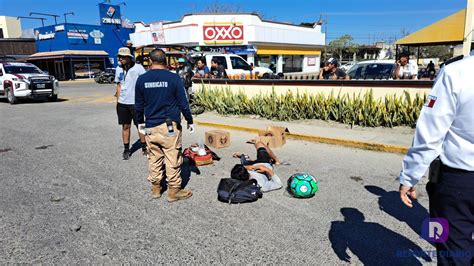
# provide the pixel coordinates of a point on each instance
(126, 155)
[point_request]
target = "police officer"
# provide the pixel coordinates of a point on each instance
(160, 99)
(445, 128)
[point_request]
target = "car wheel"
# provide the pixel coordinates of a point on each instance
(110, 80)
(53, 98)
(11, 97)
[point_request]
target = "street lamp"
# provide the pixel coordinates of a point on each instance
(65, 14)
(43, 14)
(42, 19)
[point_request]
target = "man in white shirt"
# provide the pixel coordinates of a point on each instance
(445, 129)
(404, 69)
(261, 169)
(126, 77)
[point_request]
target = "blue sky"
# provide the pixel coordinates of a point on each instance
(366, 20)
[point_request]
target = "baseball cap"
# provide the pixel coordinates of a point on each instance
(181, 60)
(331, 61)
(124, 51)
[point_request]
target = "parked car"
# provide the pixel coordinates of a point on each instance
(372, 69)
(106, 76)
(347, 66)
(25, 80)
(235, 65)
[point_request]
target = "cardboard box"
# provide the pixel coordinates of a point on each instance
(273, 136)
(279, 131)
(217, 139)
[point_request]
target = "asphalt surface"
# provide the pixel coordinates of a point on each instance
(68, 197)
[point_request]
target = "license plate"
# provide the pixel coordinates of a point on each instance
(40, 86)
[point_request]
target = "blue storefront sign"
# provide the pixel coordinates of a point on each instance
(110, 14)
(109, 36)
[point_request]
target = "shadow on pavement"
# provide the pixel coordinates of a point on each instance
(37, 101)
(371, 242)
(187, 168)
(389, 202)
(135, 147)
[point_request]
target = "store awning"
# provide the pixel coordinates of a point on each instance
(449, 30)
(277, 50)
(68, 54)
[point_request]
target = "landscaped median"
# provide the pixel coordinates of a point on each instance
(355, 109)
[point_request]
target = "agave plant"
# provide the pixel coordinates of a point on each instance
(361, 109)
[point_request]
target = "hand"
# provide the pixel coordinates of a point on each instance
(334, 76)
(397, 62)
(406, 193)
(141, 129)
(191, 128)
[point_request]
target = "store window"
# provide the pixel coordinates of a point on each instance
(268, 61)
(292, 63)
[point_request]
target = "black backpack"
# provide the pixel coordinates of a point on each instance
(236, 191)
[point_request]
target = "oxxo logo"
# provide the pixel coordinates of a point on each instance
(223, 33)
(435, 230)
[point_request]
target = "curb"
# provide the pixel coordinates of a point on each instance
(77, 81)
(313, 138)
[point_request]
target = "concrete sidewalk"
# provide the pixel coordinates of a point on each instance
(396, 140)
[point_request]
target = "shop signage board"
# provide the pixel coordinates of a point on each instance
(44, 36)
(110, 14)
(223, 33)
(157, 33)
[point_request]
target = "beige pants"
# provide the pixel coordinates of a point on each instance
(164, 149)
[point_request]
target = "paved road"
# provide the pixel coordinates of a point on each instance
(67, 197)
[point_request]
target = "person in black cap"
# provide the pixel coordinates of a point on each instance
(330, 71)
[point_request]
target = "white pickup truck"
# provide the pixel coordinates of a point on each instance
(26, 81)
(234, 64)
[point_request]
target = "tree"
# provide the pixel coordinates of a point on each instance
(342, 45)
(440, 51)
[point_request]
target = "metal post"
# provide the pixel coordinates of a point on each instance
(65, 14)
(50, 15)
(466, 46)
(42, 19)
(88, 67)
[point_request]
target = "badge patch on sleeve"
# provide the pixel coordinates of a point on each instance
(430, 101)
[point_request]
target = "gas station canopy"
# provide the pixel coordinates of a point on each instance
(449, 30)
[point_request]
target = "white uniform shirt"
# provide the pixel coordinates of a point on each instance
(408, 70)
(127, 80)
(445, 127)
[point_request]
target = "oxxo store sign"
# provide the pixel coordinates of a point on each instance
(223, 33)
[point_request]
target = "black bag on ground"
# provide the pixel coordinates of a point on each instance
(236, 191)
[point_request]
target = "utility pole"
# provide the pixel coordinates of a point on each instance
(466, 46)
(326, 38)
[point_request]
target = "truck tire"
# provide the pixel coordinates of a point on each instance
(53, 98)
(11, 97)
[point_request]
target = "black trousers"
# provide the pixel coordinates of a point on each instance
(453, 199)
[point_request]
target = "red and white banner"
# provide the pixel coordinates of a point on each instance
(223, 33)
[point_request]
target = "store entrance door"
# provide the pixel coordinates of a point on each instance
(59, 70)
